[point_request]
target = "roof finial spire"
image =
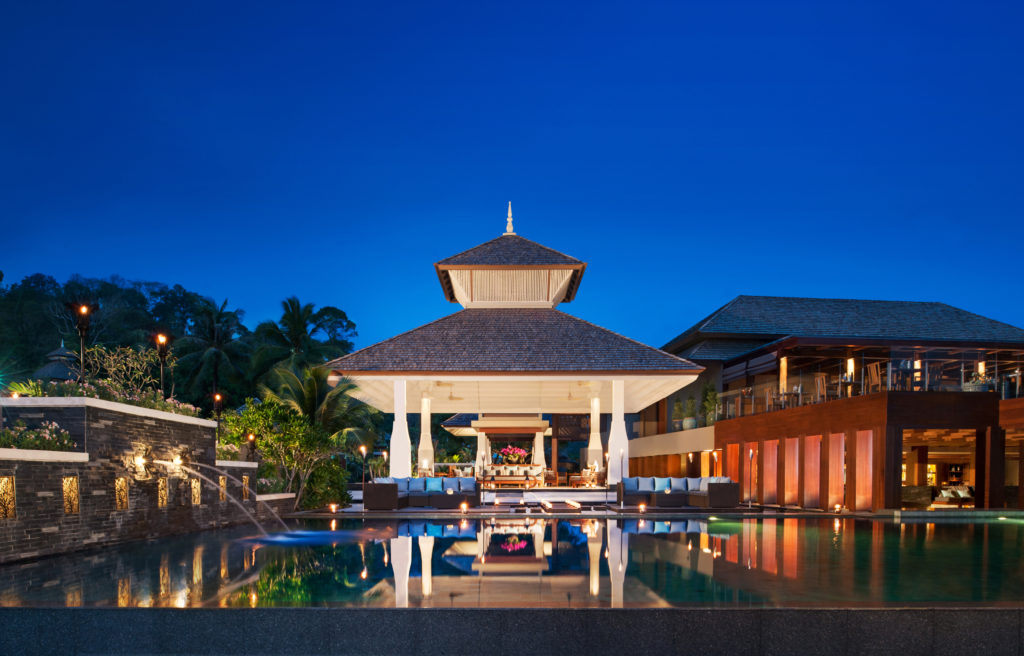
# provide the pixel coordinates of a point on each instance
(508, 224)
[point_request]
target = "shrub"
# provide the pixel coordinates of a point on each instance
(49, 437)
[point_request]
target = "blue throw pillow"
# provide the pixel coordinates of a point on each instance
(677, 484)
(403, 484)
(660, 484)
(467, 484)
(435, 484)
(645, 484)
(417, 484)
(703, 487)
(630, 484)
(450, 484)
(692, 484)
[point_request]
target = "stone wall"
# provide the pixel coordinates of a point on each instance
(114, 436)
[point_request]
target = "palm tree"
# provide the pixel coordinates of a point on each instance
(293, 339)
(337, 421)
(346, 420)
(212, 345)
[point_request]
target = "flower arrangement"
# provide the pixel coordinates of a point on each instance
(49, 436)
(513, 455)
(514, 543)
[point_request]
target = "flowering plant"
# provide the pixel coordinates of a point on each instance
(106, 390)
(513, 455)
(49, 436)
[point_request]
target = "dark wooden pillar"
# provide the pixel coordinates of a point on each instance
(1020, 474)
(554, 457)
(887, 467)
(917, 466)
(824, 480)
(851, 469)
(990, 485)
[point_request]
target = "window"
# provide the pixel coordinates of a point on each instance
(161, 493)
(7, 497)
(245, 487)
(197, 491)
(69, 484)
(121, 493)
(222, 482)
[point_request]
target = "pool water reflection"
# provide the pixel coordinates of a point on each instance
(530, 562)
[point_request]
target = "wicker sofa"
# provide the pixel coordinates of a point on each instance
(429, 492)
(656, 492)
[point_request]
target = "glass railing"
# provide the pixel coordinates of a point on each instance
(812, 387)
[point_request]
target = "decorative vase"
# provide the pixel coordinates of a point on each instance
(689, 423)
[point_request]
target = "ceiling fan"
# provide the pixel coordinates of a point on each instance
(451, 391)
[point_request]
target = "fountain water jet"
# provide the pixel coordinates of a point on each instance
(265, 504)
(168, 464)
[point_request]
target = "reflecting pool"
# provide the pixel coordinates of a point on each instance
(524, 562)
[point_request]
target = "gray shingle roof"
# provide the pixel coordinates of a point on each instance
(510, 250)
(772, 317)
(510, 340)
(720, 349)
(460, 420)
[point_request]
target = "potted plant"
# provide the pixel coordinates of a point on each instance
(710, 404)
(678, 415)
(690, 414)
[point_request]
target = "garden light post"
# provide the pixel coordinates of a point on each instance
(163, 348)
(362, 450)
(83, 315)
(218, 404)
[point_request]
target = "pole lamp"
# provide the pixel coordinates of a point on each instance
(163, 349)
(83, 315)
(362, 450)
(218, 405)
(250, 441)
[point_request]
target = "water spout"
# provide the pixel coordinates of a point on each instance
(265, 504)
(214, 485)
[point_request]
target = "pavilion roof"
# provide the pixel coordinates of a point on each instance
(510, 250)
(511, 340)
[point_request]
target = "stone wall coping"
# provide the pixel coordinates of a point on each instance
(245, 464)
(41, 455)
(84, 401)
(275, 497)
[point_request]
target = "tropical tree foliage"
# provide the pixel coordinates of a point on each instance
(302, 337)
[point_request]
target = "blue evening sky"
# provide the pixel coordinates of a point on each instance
(689, 152)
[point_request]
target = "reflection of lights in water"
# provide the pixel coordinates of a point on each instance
(835, 526)
(363, 574)
(607, 554)
(706, 550)
(689, 546)
(181, 599)
(252, 600)
(334, 525)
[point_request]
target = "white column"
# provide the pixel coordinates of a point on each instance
(618, 559)
(426, 571)
(482, 455)
(401, 446)
(425, 452)
(538, 449)
(594, 549)
(595, 454)
(618, 443)
(401, 561)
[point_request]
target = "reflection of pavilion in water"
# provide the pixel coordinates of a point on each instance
(508, 565)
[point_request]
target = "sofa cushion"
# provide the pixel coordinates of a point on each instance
(403, 485)
(434, 484)
(677, 484)
(661, 484)
(450, 484)
(383, 479)
(645, 484)
(693, 483)
(417, 485)
(467, 484)
(703, 487)
(629, 484)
